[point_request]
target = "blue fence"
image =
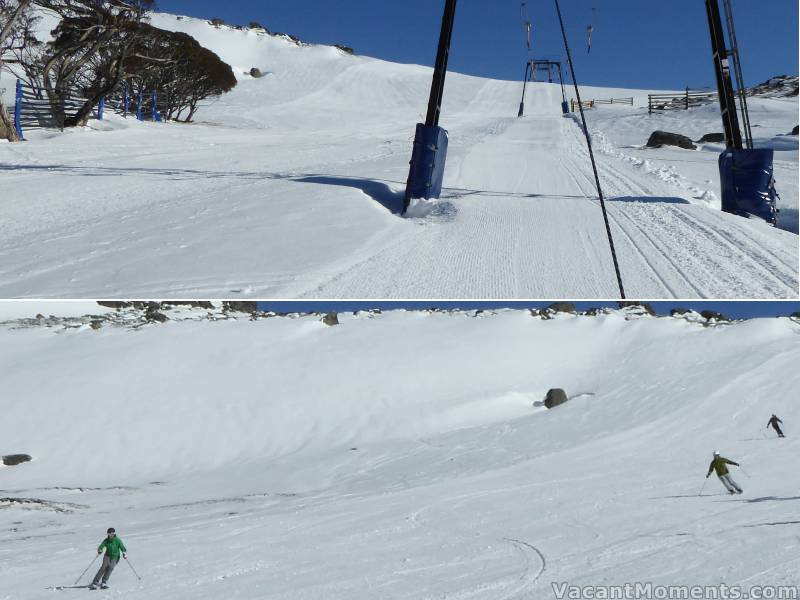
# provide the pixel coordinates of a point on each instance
(32, 108)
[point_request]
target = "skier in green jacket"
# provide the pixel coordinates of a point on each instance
(720, 465)
(113, 547)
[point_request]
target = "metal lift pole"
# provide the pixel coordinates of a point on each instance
(563, 91)
(524, 87)
(429, 155)
(440, 71)
(737, 63)
(727, 101)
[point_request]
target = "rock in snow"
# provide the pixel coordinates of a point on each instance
(555, 397)
(665, 138)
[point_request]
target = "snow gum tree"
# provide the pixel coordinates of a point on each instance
(179, 69)
(15, 19)
(90, 45)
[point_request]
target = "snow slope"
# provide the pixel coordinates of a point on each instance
(623, 133)
(290, 187)
(399, 455)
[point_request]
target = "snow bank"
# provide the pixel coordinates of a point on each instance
(179, 397)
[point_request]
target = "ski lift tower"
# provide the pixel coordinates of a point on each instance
(746, 174)
(544, 66)
(430, 141)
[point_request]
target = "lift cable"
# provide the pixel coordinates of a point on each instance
(591, 153)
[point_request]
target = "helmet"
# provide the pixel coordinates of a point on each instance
(111, 530)
(716, 452)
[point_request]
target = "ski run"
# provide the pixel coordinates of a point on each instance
(396, 455)
(291, 186)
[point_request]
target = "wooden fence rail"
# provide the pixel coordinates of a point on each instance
(684, 101)
(593, 103)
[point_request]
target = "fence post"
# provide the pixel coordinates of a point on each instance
(18, 111)
(101, 108)
(139, 116)
(687, 97)
(126, 101)
(156, 114)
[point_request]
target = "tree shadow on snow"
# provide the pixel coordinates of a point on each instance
(768, 499)
(774, 523)
(685, 496)
(379, 191)
(649, 200)
(97, 171)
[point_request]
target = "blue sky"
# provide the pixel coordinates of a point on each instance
(737, 310)
(636, 43)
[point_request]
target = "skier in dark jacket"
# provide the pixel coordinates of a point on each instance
(774, 422)
(113, 547)
(720, 465)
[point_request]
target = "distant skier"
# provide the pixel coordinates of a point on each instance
(774, 422)
(720, 465)
(113, 547)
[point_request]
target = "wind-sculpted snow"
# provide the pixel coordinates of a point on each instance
(398, 455)
(292, 184)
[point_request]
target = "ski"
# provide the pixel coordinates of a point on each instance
(68, 587)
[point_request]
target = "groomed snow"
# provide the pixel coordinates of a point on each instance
(399, 455)
(290, 187)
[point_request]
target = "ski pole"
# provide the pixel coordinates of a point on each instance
(132, 569)
(86, 569)
(743, 471)
(704, 487)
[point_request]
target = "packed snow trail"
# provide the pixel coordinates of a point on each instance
(553, 243)
(399, 455)
(292, 184)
